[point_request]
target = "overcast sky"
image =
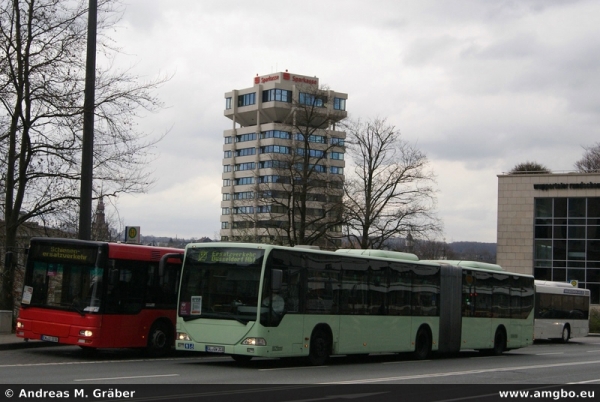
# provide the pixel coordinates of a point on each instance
(479, 86)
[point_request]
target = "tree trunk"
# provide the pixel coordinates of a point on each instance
(8, 273)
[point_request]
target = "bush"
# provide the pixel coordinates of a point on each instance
(528, 168)
(594, 320)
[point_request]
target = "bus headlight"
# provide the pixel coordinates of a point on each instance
(255, 341)
(20, 325)
(182, 336)
(86, 332)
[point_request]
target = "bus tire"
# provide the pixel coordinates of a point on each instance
(422, 343)
(566, 334)
(359, 357)
(88, 351)
(242, 359)
(499, 342)
(160, 339)
(320, 347)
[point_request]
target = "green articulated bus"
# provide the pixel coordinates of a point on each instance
(256, 300)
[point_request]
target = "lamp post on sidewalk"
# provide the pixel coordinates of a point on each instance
(87, 153)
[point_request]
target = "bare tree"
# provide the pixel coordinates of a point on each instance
(431, 249)
(392, 190)
(590, 162)
(42, 75)
(303, 199)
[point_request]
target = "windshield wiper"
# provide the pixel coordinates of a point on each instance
(76, 307)
(228, 316)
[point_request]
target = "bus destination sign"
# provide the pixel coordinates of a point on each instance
(228, 256)
(65, 253)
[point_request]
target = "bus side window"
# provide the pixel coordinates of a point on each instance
(127, 285)
(152, 288)
(134, 300)
(293, 290)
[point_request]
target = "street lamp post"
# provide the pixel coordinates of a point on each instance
(87, 153)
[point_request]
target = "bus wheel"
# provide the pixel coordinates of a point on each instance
(358, 357)
(422, 344)
(320, 348)
(88, 351)
(159, 340)
(241, 358)
(499, 342)
(566, 334)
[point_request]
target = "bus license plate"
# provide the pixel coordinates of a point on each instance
(215, 349)
(49, 338)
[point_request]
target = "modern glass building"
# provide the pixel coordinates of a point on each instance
(549, 225)
(283, 159)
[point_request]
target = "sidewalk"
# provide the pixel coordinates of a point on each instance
(10, 341)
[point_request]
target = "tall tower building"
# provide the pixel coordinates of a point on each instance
(283, 162)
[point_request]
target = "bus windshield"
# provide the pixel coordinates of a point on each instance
(64, 276)
(221, 283)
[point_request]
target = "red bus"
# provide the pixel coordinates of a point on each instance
(100, 295)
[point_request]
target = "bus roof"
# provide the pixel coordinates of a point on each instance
(393, 255)
(379, 254)
(559, 288)
(396, 255)
(469, 264)
(554, 284)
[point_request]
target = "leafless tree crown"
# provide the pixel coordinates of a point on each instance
(391, 192)
(590, 161)
(42, 76)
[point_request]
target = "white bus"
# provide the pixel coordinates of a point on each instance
(257, 300)
(561, 311)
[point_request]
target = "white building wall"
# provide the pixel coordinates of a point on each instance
(516, 195)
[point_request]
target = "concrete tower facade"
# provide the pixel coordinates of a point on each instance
(283, 162)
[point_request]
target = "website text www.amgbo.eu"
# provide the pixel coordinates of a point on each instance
(555, 395)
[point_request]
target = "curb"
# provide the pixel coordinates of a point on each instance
(20, 343)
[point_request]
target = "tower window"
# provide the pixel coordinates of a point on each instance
(247, 99)
(278, 95)
(339, 103)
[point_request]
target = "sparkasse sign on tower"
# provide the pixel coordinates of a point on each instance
(285, 76)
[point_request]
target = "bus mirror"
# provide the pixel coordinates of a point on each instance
(276, 279)
(163, 262)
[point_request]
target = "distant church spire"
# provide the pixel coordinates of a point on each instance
(100, 230)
